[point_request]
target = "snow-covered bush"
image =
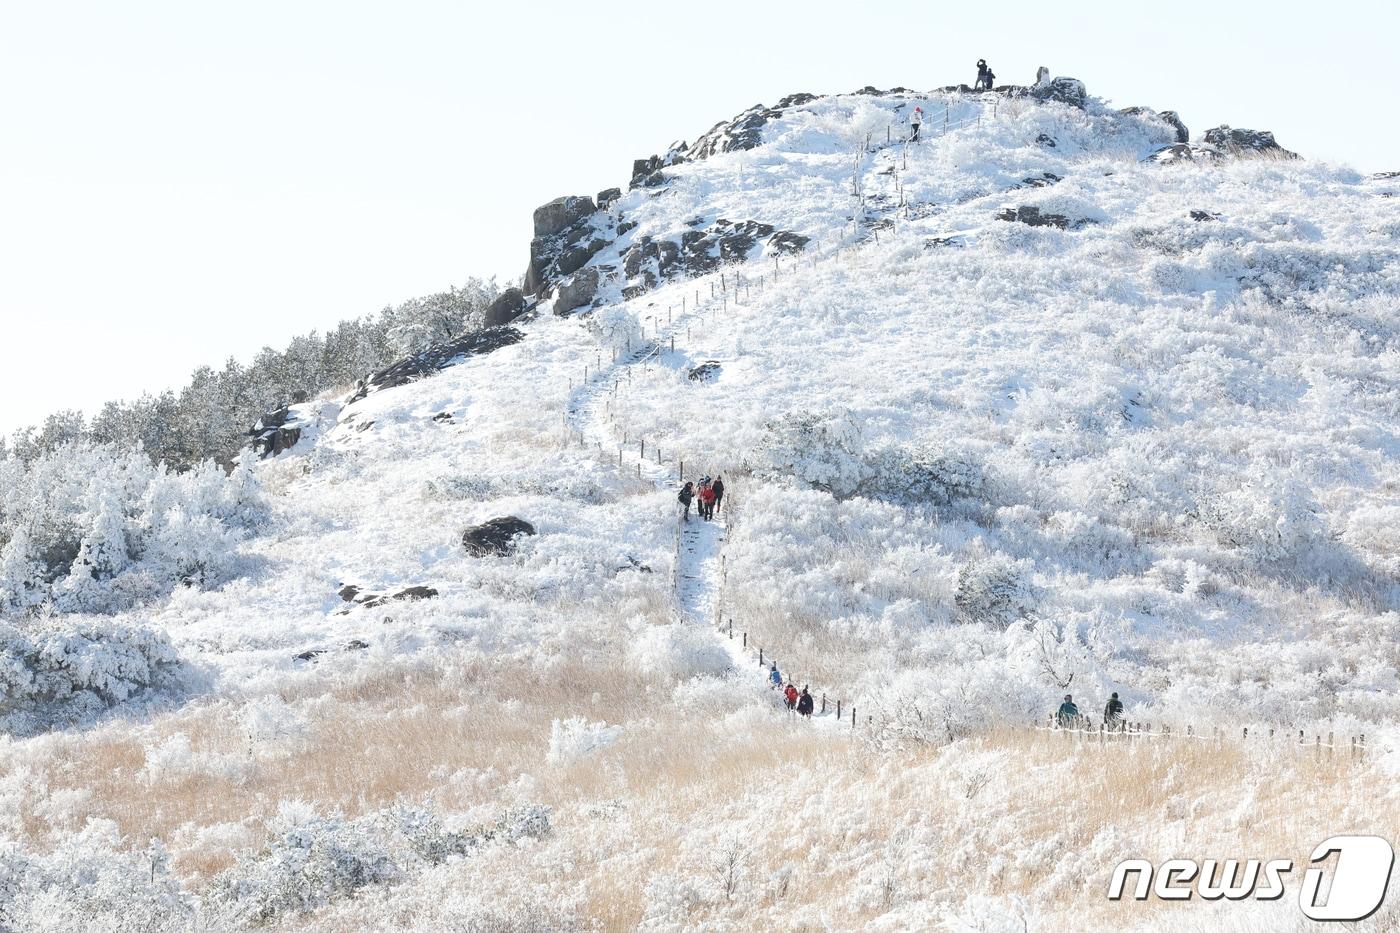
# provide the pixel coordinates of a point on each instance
(575, 737)
(677, 652)
(67, 669)
(91, 883)
(90, 528)
(313, 860)
(992, 590)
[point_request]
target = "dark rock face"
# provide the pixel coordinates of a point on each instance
(1384, 175)
(1065, 90)
(436, 358)
(508, 306)
(496, 536)
(561, 213)
(275, 432)
(1182, 134)
(649, 261)
(1201, 216)
(705, 372)
(1245, 142)
(1043, 180)
(1033, 217)
(607, 196)
(357, 597)
(1045, 141)
(1183, 152)
(577, 291)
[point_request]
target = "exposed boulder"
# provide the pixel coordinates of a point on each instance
(1033, 217)
(785, 242)
(1065, 90)
(496, 536)
(508, 306)
(1043, 180)
(706, 371)
(577, 290)
(1045, 141)
(275, 432)
(607, 196)
(562, 213)
(1183, 135)
(1245, 142)
(1201, 216)
(1184, 152)
(409, 593)
(436, 358)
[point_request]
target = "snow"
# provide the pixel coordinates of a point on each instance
(971, 466)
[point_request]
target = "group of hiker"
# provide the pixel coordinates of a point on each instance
(985, 79)
(708, 496)
(1068, 715)
(796, 702)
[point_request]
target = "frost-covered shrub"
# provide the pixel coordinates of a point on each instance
(313, 860)
(925, 475)
(993, 590)
(575, 737)
(90, 528)
(677, 652)
(66, 669)
(820, 450)
(91, 883)
(1270, 521)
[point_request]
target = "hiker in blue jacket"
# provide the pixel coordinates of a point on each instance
(1068, 715)
(775, 678)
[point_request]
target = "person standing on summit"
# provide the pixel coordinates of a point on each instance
(982, 72)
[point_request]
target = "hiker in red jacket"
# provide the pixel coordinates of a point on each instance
(790, 696)
(707, 501)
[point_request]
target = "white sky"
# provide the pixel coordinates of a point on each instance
(184, 181)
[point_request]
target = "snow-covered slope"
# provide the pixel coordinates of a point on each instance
(1016, 409)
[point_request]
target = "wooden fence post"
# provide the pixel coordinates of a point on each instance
(838, 710)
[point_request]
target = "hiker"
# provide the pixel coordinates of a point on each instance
(1068, 715)
(686, 494)
(804, 703)
(774, 677)
(1113, 713)
(718, 487)
(707, 501)
(790, 696)
(982, 72)
(989, 80)
(916, 120)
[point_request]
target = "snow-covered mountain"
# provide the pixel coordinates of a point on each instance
(1057, 398)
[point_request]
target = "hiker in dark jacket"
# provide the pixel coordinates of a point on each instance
(982, 72)
(804, 703)
(718, 487)
(685, 496)
(1068, 714)
(1113, 713)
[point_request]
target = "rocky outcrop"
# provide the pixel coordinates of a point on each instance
(705, 372)
(649, 261)
(275, 432)
(1246, 142)
(1184, 152)
(1183, 135)
(436, 358)
(607, 196)
(1204, 216)
(561, 213)
(1069, 91)
(508, 306)
(357, 597)
(495, 537)
(577, 291)
(1032, 216)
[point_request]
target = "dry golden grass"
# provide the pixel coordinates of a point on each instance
(790, 793)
